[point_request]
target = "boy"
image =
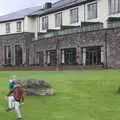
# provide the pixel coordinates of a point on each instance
(17, 93)
(11, 97)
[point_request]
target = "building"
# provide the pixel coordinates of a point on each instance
(67, 32)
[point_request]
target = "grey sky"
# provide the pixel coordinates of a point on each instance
(7, 6)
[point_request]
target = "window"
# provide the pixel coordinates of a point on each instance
(92, 55)
(52, 57)
(7, 27)
(114, 6)
(74, 15)
(19, 26)
(7, 55)
(18, 54)
(68, 56)
(92, 11)
(58, 19)
(40, 58)
(45, 23)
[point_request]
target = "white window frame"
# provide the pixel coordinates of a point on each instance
(58, 19)
(74, 18)
(8, 29)
(114, 6)
(45, 22)
(92, 11)
(19, 26)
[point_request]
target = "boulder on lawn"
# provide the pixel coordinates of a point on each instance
(34, 87)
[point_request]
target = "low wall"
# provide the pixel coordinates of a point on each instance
(52, 68)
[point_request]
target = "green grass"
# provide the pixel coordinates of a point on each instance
(83, 95)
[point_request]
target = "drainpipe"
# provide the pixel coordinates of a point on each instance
(23, 25)
(84, 13)
(106, 42)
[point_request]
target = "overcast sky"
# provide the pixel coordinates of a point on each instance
(7, 6)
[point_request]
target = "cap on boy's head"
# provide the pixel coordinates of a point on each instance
(10, 80)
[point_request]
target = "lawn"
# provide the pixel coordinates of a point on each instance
(80, 95)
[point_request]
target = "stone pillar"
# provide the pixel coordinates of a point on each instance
(48, 57)
(13, 54)
(78, 55)
(63, 57)
(31, 54)
(44, 57)
(59, 60)
(23, 55)
(27, 56)
(102, 55)
(84, 56)
(58, 57)
(1, 55)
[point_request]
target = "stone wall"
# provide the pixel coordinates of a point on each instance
(23, 39)
(113, 45)
(108, 39)
(76, 40)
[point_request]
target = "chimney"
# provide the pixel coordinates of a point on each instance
(48, 5)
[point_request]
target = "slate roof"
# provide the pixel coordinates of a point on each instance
(18, 14)
(39, 11)
(61, 5)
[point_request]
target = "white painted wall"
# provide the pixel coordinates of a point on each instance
(31, 24)
(102, 15)
(13, 27)
(37, 26)
(51, 21)
(65, 18)
(102, 12)
(83, 15)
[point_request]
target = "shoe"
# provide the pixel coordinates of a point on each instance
(9, 109)
(20, 119)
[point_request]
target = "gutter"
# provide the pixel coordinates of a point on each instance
(11, 20)
(53, 10)
(106, 42)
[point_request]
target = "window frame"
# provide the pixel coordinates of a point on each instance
(19, 26)
(8, 29)
(45, 22)
(114, 8)
(57, 24)
(7, 54)
(72, 16)
(92, 55)
(89, 10)
(69, 56)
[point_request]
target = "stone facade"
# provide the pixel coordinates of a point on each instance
(23, 39)
(107, 39)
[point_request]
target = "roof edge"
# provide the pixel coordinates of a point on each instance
(63, 8)
(11, 20)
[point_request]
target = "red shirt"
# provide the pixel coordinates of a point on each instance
(17, 93)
